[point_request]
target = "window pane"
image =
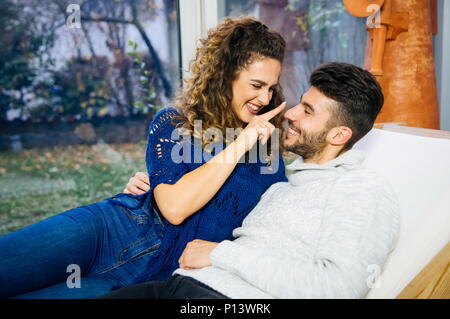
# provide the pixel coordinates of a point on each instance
(316, 31)
(79, 83)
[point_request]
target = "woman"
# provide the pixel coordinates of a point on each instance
(130, 238)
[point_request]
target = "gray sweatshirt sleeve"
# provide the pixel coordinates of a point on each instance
(359, 229)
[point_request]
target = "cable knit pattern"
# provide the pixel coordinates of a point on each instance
(312, 237)
(217, 219)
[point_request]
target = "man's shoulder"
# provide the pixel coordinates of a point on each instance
(361, 172)
(365, 190)
(360, 177)
(274, 187)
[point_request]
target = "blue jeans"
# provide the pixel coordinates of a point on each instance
(109, 243)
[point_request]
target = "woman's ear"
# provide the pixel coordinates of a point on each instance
(339, 135)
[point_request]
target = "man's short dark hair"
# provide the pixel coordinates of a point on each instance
(357, 93)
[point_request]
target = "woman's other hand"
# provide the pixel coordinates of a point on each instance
(196, 254)
(138, 184)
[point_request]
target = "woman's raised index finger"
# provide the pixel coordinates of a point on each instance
(272, 113)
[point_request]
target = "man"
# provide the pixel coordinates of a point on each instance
(316, 236)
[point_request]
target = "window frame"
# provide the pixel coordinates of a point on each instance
(196, 17)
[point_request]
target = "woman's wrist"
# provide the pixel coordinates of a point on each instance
(236, 150)
(231, 154)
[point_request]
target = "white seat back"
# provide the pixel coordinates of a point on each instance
(418, 168)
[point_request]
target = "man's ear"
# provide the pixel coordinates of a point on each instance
(339, 135)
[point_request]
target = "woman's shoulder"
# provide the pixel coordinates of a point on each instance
(163, 118)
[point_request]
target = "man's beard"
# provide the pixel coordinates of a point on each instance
(313, 143)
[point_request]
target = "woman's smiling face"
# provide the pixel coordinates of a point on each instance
(253, 87)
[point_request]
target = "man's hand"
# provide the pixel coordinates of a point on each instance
(196, 254)
(138, 184)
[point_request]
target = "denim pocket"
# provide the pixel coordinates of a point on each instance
(140, 248)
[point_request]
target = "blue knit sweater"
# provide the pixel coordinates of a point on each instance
(217, 219)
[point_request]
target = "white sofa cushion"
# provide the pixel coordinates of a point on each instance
(419, 170)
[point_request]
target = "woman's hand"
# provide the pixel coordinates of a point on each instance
(138, 184)
(259, 128)
(196, 254)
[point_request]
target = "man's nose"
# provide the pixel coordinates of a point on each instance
(294, 113)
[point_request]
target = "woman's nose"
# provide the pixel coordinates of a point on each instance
(264, 97)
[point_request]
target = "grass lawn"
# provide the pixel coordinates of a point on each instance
(36, 184)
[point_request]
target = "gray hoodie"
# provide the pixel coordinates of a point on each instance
(323, 234)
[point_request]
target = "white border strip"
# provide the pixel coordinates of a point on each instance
(445, 68)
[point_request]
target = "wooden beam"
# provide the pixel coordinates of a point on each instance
(400, 128)
(433, 282)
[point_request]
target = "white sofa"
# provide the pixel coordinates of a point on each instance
(418, 167)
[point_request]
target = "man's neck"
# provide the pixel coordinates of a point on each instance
(326, 155)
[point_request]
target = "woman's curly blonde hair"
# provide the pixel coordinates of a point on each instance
(227, 49)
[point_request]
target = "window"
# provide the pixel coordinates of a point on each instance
(315, 31)
(79, 82)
